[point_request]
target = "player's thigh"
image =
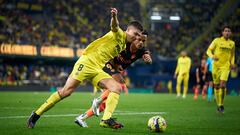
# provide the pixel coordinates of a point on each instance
(224, 73)
(216, 75)
(179, 79)
(111, 85)
(105, 81)
(83, 70)
(186, 78)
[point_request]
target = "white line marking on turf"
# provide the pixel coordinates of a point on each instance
(70, 115)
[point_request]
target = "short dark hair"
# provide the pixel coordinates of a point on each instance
(226, 26)
(136, 24)
(144, 32)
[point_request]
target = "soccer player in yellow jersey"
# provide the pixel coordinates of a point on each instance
(182, 73)
(89, 66)
(222, 51)
(133, 52)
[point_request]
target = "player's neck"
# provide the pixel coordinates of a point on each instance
(226, 38)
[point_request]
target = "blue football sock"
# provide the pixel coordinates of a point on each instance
(210, 91)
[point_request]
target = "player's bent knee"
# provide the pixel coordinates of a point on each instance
(116, 90)
(222, 87)
(217, 86)
(110, 85)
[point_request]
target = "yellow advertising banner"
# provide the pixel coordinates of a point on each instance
(57, 51)
(16, 49)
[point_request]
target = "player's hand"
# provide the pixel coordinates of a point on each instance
(232, 67)
(147, 59)
(114, 12)
(204, 77)
(198, 80)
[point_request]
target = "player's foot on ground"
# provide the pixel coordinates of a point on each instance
(80, 120)
(209, 99)
(111, 123)
(95, 107)
(178, 95)
(195, 97)
(184, 96)
(81, 123)
(220, 109)
(32, 120)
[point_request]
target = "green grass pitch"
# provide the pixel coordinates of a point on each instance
(183, 116)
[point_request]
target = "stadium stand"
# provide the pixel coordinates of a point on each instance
(74, 24)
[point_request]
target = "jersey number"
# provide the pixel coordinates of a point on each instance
(80, 67)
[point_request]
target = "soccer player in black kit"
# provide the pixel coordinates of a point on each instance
(133, 52)
(201, 79)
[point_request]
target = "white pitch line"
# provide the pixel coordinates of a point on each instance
(70, 115)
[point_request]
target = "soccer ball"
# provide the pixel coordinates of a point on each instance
(157, 124)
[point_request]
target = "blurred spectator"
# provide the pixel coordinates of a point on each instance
(76, 23)
(11, 74)
(60, 23)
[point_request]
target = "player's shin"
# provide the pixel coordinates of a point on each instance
(89, 113)
(185, 89)
(111, 104)
(204, 92)
(195, 93)
(210, 89)
(178, 90)
(97, 101)
(221, 97)
(223, 94)
(217, 95)
(51, 101)
(102, 106)
(80, 120)
(103, 96)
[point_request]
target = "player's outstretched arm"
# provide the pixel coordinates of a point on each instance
(114, 20)
(176, 70)
(210, 50)
(232, 58)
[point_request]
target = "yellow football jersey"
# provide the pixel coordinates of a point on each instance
(224, 50)
(183, 65)
(106, 48)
